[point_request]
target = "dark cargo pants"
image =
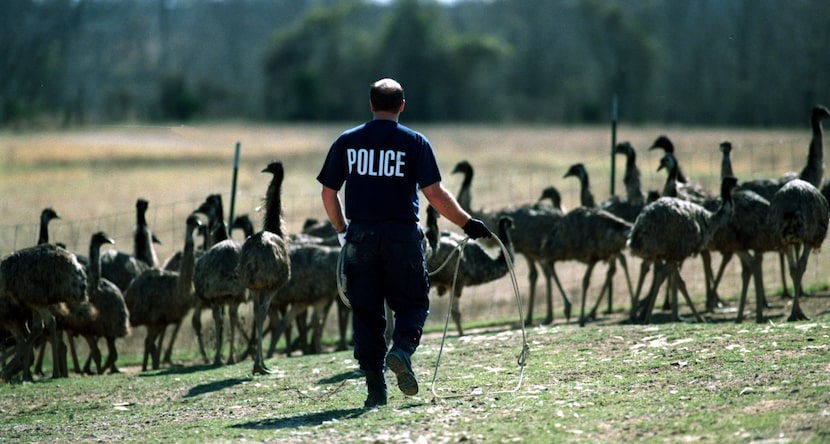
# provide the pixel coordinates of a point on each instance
(384, 261)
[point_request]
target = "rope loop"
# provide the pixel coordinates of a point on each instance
(523, 355)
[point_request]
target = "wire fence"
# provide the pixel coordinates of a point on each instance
(496, 300)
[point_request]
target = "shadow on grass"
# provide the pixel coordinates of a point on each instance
(307, 419)
(178, 370)
(313, 418)
(340, 377)
(215, 386)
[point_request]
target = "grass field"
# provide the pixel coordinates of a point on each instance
(715, 382)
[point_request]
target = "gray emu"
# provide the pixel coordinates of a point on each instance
(798, 214)
(36, 278)
(113, 319)
(158, 298)
(264, 262)
(666, 233)
(588, 235)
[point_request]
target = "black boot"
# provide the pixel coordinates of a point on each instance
(398, 360)
(376, 385)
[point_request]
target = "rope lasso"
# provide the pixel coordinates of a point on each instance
(523, 355)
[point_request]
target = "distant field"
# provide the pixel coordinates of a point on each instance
(97, 173)
(93, 176)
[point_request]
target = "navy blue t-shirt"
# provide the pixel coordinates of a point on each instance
(383, 164)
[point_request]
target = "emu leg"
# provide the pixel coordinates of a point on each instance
(760, 294)
(61, 362)
(532, 276)
(151, 350)
(273, 324)
(785, 291)
(455, 310)
(262, 300)
(644, 268)
(712, 299)
(175, 333)
(112, 357)
(726, 257)
(550, 274)
(41, 346)
(606, 287)
(624, 264)
(219, 323)
(680, 285)
(301, 343)
(660, 275)
(319, 315)
(797, 268)
(58, 369)
(196, 323)
(19, 361)
(94, 356)
(565, 297)
(746, 271)
(235, 322)
(324, 308)
(74, 353)
(759, 259)
(586, 281)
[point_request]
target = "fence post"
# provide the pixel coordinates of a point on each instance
(233, 187)
(614, 115)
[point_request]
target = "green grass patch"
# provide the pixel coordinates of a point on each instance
(674, 382)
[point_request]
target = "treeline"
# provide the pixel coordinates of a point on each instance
(702, 62)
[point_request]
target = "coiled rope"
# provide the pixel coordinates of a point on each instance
(523, 354)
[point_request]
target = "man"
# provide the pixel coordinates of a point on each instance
(383, 164)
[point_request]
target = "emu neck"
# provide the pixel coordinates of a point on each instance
(813, 172)
(464, 198)
(273, 208)
(723, 215)
(93, 272)
(185, 282)
(43, 236)
(726, 166)
(143, 241)
(631, 179)
(670, 188)
(586, 197)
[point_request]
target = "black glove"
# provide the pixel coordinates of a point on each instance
(476, 229)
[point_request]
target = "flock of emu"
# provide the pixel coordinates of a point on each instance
(290, 279)
(787, 215)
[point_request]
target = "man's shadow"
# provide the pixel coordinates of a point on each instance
(314, 418)
(307, 419)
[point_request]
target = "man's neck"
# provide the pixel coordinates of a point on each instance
(385, 115)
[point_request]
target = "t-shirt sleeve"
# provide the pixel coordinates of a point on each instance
(428, 171)
(333, 172)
